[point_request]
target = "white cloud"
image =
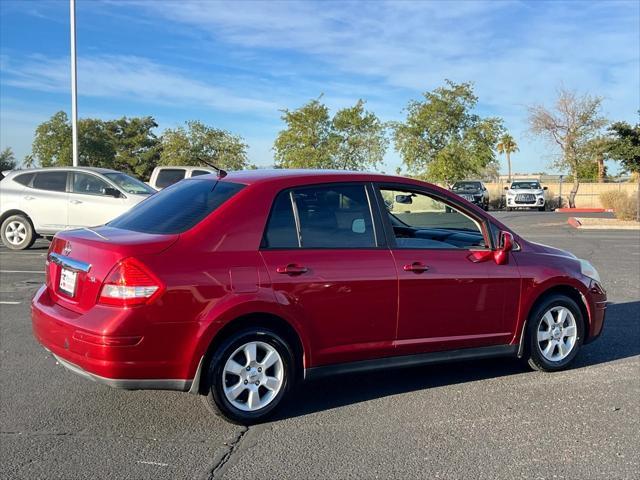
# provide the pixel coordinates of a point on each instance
(127, 77)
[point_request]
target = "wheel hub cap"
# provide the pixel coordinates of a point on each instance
(557, 333)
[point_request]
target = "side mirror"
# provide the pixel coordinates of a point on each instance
(404, 199)
(501, 255)
(545, 188)
(112, 192)
(506, 188)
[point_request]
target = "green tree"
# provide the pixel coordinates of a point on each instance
(7, 159)
(360, 137)
(572, 123)
(198, 142)
(442, 139)
(136, 147)
(506, 146)
(52, 142)
(624, 147)
(308, 140)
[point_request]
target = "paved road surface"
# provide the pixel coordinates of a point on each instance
(489, 419)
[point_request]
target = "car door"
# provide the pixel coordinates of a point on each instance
(89, 202)
(448, 296)
(46, 201)
(331, 271)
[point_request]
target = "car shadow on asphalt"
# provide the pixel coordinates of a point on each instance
(620, 339)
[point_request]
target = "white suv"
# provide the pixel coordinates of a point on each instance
(40, 202)
(526, 194)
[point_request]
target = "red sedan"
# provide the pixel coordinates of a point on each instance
(236, 287)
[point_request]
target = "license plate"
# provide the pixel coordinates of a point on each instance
(68, 281)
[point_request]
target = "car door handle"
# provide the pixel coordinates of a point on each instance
(416, 267)
(29, 197)
(292, 269)
(75, 202)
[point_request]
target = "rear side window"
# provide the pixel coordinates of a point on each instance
(54, 181)
(178, 208)
(169, 176)
(337, 216)
(24, 179)
(281, 229)
(197, 173)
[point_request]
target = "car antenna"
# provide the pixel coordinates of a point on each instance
(221, 173)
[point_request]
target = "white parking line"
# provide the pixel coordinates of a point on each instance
(22, 271)
(7, 302)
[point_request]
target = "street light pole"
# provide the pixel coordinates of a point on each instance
(74, 83)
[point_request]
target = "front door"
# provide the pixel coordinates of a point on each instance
(89, 205)
(330, 270)
(447, 298)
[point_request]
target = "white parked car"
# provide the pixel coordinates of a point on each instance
(162, 177)
(42, 201)
(526, 194)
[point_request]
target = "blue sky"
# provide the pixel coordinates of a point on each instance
(234, 65)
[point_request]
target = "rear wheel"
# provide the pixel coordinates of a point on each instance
(555, 333)
(250, 374)
(17, 232)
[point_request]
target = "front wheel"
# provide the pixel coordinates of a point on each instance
(17, 232)
(555, 333)
(250, 374)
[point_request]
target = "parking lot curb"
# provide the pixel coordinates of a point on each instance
(584, 210)
(574, 222)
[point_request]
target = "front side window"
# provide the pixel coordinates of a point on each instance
(88, 184)
(169, 176)
(419, 220)
(178, 208)
(336, 216)
(53, 181)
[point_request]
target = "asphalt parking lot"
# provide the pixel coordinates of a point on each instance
(484, 419)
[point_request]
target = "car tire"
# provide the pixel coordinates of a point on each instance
(542, 209)
(17, 232)
(235, 380)
(555, 332)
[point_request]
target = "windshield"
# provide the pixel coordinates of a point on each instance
(525, 186)
(466, 186)
(129, 184)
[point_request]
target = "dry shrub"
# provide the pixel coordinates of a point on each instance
(611, 198)
(626, 208)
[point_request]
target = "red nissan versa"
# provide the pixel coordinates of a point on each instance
(235, 287)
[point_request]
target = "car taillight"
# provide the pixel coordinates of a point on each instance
(129, 283)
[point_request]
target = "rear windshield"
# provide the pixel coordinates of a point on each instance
(178, 208)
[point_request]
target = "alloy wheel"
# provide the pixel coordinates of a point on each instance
(252, 376)
(557, 333)
(15, 232)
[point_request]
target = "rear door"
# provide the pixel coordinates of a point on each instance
(89, 205)
(330, 269)
(448, 297)
(46, 201)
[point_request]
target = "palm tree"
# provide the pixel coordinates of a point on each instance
(507, 145)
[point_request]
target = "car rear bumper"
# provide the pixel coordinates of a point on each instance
(130, 362)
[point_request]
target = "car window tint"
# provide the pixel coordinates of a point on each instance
(177, 208)
(421, 221)
(55, 181)
(169, 176)
(335, 217)
(88, 184)
(281, 229)
(197, 173)
(24, 179)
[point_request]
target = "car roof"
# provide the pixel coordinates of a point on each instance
(308, 176)
(57, 169)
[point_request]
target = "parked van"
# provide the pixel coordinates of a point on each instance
(162, 177)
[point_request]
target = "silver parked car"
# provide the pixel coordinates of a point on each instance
(42, 201)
